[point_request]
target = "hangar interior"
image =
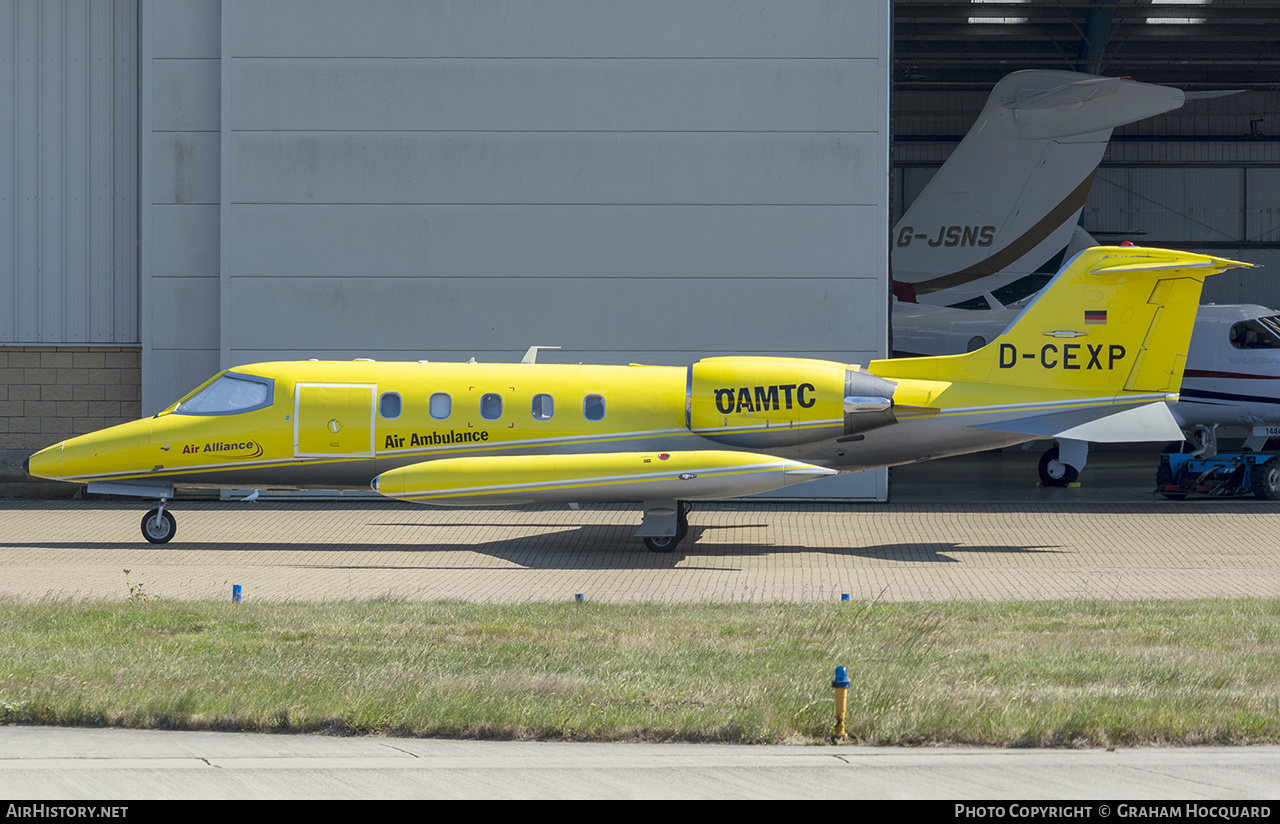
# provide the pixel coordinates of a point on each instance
(199, 185)
(1204, 177)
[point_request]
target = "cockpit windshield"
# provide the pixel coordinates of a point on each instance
(1259, 333)
(228, 395)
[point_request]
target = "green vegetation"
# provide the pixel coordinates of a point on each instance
(1012, 674)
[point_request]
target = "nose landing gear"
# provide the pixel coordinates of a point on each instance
(159, 526)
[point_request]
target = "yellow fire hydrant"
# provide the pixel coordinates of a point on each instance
(841, 686)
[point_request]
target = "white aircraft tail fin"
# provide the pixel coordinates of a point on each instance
(1008, 199)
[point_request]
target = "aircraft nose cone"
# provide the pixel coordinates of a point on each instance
(47, 463)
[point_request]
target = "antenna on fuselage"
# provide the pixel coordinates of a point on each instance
(531, 356)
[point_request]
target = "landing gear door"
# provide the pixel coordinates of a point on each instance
(333, 420)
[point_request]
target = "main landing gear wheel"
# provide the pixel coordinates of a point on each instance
(664, 544)
(158, 526)
(1054, 472)
(667, 543)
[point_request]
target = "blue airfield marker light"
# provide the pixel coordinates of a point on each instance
(844, 597)
(841, 686)
(580, 598)
(235, 593)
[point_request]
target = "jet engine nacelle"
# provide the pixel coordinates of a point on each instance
(759, 402)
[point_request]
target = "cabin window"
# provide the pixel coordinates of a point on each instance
(389, 405)
(1023, 287)
(544, 406)
(228, 395)
(441, 406)
(1259, 333)
(490, 406)
(593, 407)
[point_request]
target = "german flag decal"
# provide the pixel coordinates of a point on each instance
(1095, 316)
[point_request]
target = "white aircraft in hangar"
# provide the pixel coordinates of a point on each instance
(992, 226)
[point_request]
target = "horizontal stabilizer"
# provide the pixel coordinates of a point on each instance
(1166, 265)
(1089, 104)
(1150, 422)
(1068, 94)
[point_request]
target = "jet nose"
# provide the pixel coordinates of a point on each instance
(47, 463)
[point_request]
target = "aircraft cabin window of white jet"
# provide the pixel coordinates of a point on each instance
(389, 405)
(979, 302)
(441, 405)
(1023, 287)
(544, 406)
(593, 407)
(490, 406)
(228, 394)
(1260, 333)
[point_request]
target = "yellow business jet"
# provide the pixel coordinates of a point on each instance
(1098, 356)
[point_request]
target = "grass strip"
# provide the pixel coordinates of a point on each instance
(1031, 674)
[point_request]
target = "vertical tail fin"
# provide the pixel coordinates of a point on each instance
(1114, 319)
(1009, 196)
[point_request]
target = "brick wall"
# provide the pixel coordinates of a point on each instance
(50, 393)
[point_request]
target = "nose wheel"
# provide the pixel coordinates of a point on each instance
(158, 525)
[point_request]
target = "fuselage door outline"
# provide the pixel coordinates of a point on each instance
(310, 420)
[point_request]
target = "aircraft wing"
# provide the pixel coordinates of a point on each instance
(1149, 422)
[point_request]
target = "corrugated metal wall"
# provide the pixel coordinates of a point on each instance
(181, 197)
(68, 172)
(447, 179)
(650, 182)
